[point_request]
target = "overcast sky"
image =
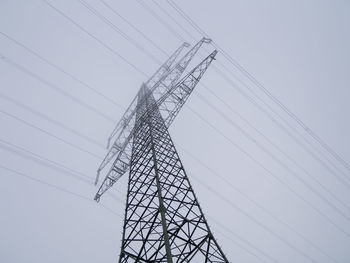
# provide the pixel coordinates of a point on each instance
(270, 192)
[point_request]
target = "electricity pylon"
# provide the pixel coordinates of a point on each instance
(163, 220)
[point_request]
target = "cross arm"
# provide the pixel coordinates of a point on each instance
(169, 105)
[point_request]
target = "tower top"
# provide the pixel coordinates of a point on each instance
(169, 92)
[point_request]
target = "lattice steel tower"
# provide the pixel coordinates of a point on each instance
(163, 220)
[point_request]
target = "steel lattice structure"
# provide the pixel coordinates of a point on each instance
(163, 220)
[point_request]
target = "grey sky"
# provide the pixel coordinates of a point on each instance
(299, 50)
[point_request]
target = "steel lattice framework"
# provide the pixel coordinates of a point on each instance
(163, 220)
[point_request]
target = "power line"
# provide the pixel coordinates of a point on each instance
(273, 119)
(118, 30)
(50, 134)
(257, 222)
(278, 115)
(36, 54)
(271, 173)
(261, 259)
(61, 189)
(276, 122)
(235, 63)
(56, 88)
(49, 119)
(250, 99)
(95, 38)
(173, 19)
(187, 18)
(261, 207)
(264, 111)
(156, 16)
(274, 157)
(191, 22)
(41, 160)
(37, 156)
(134, 27)
(275, 146)
(242, 239)
(45, 183)
(266, 151)
(307, 129)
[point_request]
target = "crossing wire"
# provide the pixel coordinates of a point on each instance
(62, 125)
(18, 119)
(173, 19)
(306, 128)
(142, 73)
(236, 64)
(212, 219)
(279, 149)
(314, 148)
(267, 105)
(44, 161)
(49, 119)
(113, 10)
(36, 54)
(240, 116)
(63, 170)
(55, 88)
(228, 237)
(318, 211)
(256, 221)
(283, 128)
(330, 170)
(156, 16)
(266, 151)
(118, 30)
(285, 166)
(255, 203)
(59, 188)
(54, 165)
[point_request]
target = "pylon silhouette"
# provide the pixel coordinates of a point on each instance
(163, 219)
